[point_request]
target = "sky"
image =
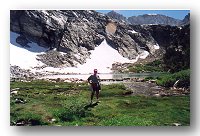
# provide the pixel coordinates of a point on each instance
(177, 14)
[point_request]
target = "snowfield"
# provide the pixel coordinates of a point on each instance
(101, 58)
(144, 54)
(24, 57)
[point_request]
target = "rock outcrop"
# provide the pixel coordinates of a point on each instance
(176, 44)
(17, 73)
(186, 20)
(72, 32)
(77, 32)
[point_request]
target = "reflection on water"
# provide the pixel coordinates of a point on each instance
(121, 76)
(105, 76)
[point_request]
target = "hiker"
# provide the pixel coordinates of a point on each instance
(94, 81)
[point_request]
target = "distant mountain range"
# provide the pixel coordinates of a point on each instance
(150, 19)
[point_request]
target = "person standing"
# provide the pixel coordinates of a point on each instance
(94, 82)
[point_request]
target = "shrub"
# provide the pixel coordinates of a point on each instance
(168, 80)
(71, 110)
(155, 66)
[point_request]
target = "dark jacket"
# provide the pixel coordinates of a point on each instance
(93, 79)
(94, 82)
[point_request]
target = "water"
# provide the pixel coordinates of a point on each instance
(105, 76)
(134, 75)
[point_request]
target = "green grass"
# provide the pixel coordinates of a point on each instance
(67, 103)
(154, 66)
(168, 80)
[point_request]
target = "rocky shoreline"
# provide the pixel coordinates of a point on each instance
(17, 74)
(134, 86)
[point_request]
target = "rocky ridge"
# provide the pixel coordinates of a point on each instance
(77, 32)
(150, 19)
(186, 20)
(153, 19)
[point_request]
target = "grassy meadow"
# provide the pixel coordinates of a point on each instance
(67, 104)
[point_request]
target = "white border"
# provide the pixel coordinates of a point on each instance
(7, 5)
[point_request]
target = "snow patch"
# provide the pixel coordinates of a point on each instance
(132, 31)
(152, 14)
(144, 54)
(75, 14)
(89, 11)
(23, 58)
(84, 19)
(77, 55)
(33, 47)
(26, 57)
(156, 46)
(62, 53)
(101, 58)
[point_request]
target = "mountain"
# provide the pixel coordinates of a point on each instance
(186, 20)
(70, 36)
(116, 16)
(71, 32)
(153, 19)
(149, 19)
(76, 33)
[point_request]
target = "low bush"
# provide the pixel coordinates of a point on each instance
(168, 80)
(72, 109)
(155, 66)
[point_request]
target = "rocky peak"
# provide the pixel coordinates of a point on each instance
(116, 16)
(153, 19)
(186, 20)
